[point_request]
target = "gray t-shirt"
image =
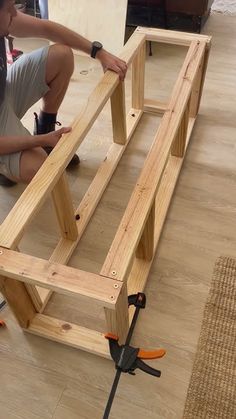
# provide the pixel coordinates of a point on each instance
(3, 69)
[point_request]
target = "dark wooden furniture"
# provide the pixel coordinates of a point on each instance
(187, 15)
(150, 13)
(190, 7)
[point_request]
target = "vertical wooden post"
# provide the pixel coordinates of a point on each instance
(118, 113)
(179, 143)
(18, 299)
(118, 319)
(64, 209)
(146, 245)
(138, 78)
(34, 293)
(198, 85)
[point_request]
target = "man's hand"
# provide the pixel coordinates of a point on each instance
(51, 139)
(111, 62)
(13, 144)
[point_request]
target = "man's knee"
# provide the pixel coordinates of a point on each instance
(63, 56)
(30, 163)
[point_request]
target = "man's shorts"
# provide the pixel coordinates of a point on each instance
(26, 84)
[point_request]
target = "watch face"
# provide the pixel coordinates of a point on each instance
(97, 44)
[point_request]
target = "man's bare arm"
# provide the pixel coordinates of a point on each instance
(14, 144)
(25, 26)
(28, 26)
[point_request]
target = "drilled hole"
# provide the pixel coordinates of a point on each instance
(66, 327)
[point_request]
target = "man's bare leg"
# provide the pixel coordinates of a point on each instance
(30, 163)
(59, 69)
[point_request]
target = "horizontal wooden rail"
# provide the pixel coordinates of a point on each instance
(172, 37)
(130, 230)
(70, 334)
(102, 292)
(48, 175)
(155, 106)
(140, 269)
(65, 247)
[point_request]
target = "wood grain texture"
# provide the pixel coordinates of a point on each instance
(179, 144)
(64, 209)
(145, 247)
(172, 37)
(18, 299)
(59, 278)
(138, 78)
(70, 334)
(118, 114)
(138, 276)
(117, 322)
(61, 382)
(128, 234)
(65, 248)
(44, 181)
(155, 106)
(88, 204)
(199, 83)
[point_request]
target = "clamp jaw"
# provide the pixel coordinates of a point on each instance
(127, 358)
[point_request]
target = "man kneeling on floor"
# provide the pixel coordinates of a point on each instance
(44, 73)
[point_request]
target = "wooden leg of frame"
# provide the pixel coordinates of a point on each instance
(146, 245)
(138, 77)
(18, 299)
(179, 144)
(35, 293)
(118, 319)
(198, 86)
(119, 114)
(64, 209)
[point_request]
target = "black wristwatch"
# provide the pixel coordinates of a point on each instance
(96, 46)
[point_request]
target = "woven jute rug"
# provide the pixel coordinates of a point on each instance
(212, 389)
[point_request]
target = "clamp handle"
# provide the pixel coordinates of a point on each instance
(128, 358)
(159, 353)
(146, 368)
(142, 354)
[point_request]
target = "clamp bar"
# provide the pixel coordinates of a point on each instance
(127, 358)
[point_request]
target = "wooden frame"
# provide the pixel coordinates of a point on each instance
(26, 281)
